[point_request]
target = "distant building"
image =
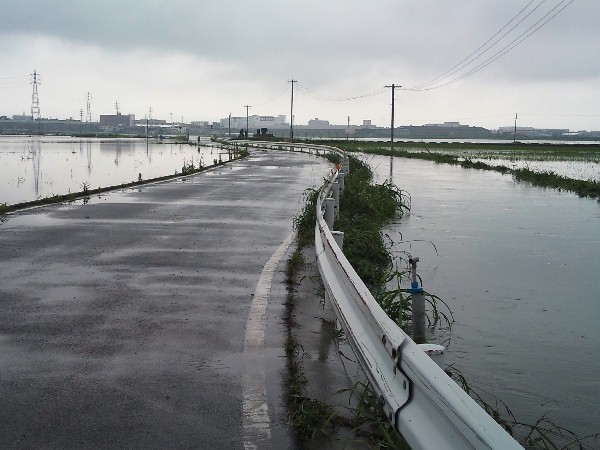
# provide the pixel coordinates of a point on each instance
(22, 117)
(117, 120)
(318, 123)
(254, 122)
(150, 122)
(446, 130)
(533, 133)
(445, 125)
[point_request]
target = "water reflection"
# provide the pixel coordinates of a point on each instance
(35, 153)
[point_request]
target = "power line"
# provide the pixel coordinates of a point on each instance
(514, 43)
(439, 82)
(331, 98)
(283, 91)
(471, 57)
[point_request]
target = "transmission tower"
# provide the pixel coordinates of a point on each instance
(35, 101)
(117, 107)
(88, 116)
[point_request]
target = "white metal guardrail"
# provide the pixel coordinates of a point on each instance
(425, 405)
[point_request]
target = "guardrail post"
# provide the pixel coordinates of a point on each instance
(341, 180)
(346, 164)
(335, 188)
(338, 236)
(418, 304)
(329, 211)
(329, 313)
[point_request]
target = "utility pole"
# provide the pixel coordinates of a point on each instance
(348, 129)
(292, 111)
(35, 101)
(117, 107)
(393, 86)
(229, 132)
(247, 108)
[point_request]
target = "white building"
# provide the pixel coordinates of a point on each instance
(255, 122)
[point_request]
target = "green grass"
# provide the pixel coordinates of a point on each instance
(364, 209)
(304, 222)
(368, 420)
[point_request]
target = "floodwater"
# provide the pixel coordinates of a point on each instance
(519, 268)
(33, 167)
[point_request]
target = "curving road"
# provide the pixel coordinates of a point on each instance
(150, 318)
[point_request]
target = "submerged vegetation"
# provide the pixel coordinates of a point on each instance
(465, 155)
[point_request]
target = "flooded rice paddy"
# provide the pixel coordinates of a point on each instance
(519, 268)
(34, 167)
(572, 161)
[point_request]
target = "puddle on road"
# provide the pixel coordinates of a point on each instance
(234, 364)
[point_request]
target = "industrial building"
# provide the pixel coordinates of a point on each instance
(117, 120)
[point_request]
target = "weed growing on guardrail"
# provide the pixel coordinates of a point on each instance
(396, 301)
(369, 421)
(295, 263)
(304, 222)
(313, 419)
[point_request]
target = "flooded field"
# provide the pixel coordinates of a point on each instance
(33, 167)
(518, 266)
(574, 161)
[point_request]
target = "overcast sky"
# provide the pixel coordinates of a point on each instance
(205, 59)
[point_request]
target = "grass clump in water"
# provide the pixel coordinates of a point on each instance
(364, 209)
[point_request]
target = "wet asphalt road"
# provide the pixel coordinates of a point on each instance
(123, 321)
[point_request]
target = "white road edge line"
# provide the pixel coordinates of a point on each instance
(255, 409)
